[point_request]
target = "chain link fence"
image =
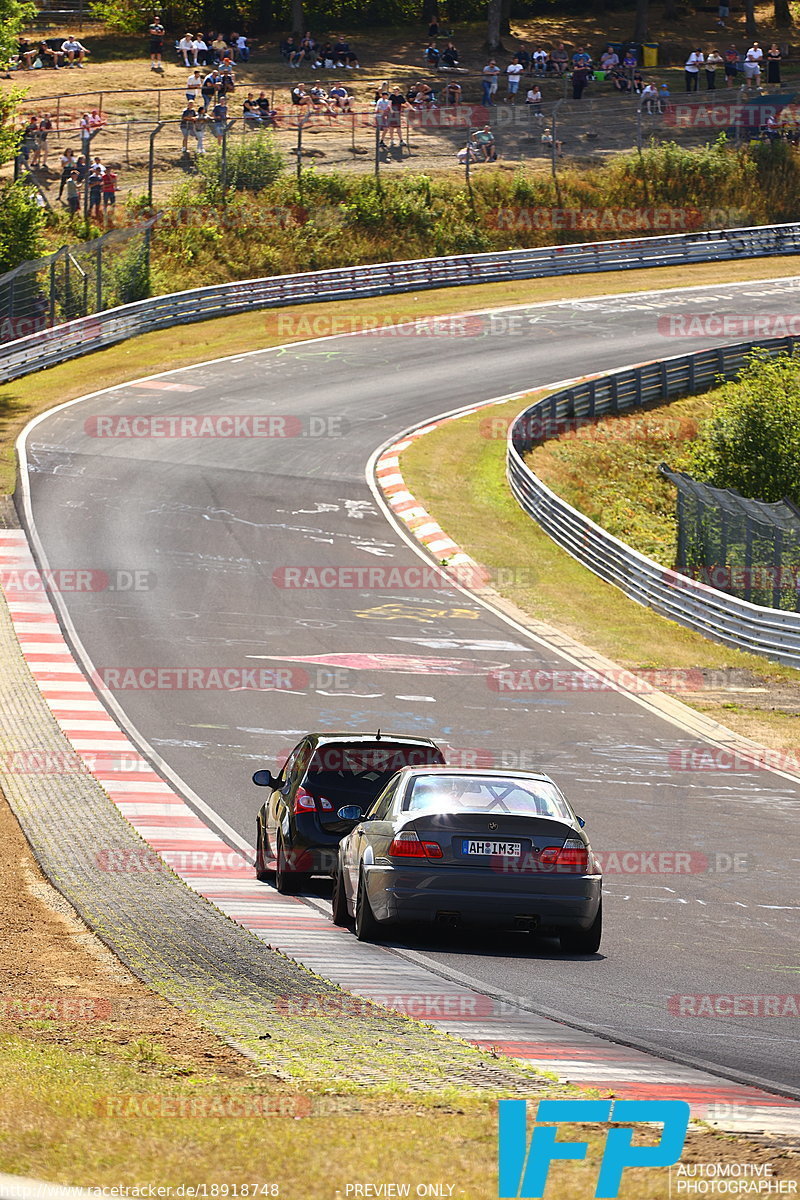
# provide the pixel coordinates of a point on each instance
(76, 281)
(747, 548)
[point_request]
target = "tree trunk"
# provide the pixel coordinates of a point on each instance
(642, 15)
(505, 18)
(750, 31)
(298, 18)
(495, 17)
(671, 10)
(429, 10)
(783, 14)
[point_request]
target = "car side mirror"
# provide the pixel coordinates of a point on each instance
(264, 779)
(581, 822)
(350, 812)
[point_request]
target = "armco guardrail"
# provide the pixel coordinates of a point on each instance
(767, 631)
(64, 342)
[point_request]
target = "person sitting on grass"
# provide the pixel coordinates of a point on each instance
(323, 60)
(468, 153)
(432, 56)
(265, 110)
(344, 56)
(534, 100)
(450, 56)
(484, 140)
(251, 117)
(320, 102)
(341, 98)
(609, 60)
(452, 93)
(185, 47)
(73, 51)
(547, 140)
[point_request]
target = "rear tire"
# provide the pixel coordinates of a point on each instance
(367, 928)
(287, 882)
(263, 874)
(339, 911)
(584, 941)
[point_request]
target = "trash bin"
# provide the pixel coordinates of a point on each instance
(650, 54)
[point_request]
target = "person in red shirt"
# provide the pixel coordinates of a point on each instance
(109, 191)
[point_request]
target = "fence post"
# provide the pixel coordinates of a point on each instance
(377, 151)
(99, 276)
(151, 157)
(777, 571)
(52, 316)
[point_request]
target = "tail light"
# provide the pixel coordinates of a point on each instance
(305, 802)
(408, 845)
(572, 856)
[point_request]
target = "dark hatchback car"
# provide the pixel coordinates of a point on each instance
(300, 824)
(471, 847)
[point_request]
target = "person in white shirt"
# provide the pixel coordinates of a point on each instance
(72, 50)
(193, 86)
(752, 65)
(383, 112)
(186, 48)
(199, 49)
(539, 61)
(691, 69)
(513, 73)
(650, 100)
(242, 49)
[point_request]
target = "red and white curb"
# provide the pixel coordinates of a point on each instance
(304, 932)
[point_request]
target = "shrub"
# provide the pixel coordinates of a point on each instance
(252, 164)
(21, 223)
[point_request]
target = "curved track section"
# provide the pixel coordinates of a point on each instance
(217, 524)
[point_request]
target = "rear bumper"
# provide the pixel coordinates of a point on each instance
(557, 902)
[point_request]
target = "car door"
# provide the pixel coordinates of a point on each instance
(275, 805)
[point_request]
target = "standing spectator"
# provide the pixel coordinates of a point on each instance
(200, 50)
(513, 73)
(523, 56)
(691, 69)
(713, 61)
(228, 79)
(109, 191)
(67, 167)
(186, 48)
(731, 66)
(200, 129)
(73, 194)
(72, 49)
(383, 110)
(193, 85)
(156, 31)
(580, 78)
(96, 174)
(774, 65)
(490, 73)
(242, 49)
(723, 12)
(398, 102)
(559, 59)
(220, 118)
(188, 125)
(29, 146)
(752, 65)
(86, 132)
(45, 127)
(210, 88)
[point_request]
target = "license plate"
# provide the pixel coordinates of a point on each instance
(505, 849)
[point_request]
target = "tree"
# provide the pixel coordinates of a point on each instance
(21, 223)
(14, 15)
(298, 18)
(750, 31)
(783, 13)
(495, 18)
(641, 22)
(752, 443)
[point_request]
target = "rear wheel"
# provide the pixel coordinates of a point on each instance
(287, 881)
(339, 901)
(584, 941)
(262, 871)
(367, 928)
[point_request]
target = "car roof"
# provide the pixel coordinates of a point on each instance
(476, 772)
(322, 739)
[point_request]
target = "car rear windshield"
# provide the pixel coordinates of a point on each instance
(357, 774)
(466, 793)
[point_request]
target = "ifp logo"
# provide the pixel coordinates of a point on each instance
(523, 1166)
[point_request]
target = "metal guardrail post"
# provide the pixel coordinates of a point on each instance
(150, 161)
